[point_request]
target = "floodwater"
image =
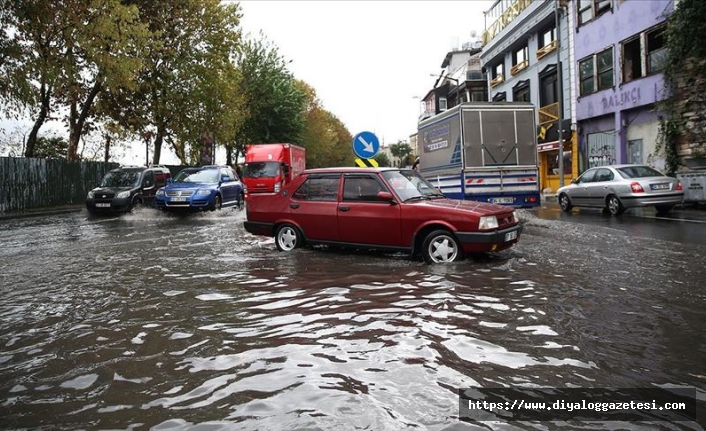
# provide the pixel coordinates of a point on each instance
(154, 322)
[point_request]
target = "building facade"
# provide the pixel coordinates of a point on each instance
(619, 51)
(461, 80)
(527, 56)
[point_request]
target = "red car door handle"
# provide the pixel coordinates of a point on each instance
(344, 209)
(294, 206)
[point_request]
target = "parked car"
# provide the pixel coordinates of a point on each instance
(386, 208)
(619, 187)
(201, 188)
(123, 188)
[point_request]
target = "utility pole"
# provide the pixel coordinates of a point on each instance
(560, 84)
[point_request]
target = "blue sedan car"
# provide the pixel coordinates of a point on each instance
(201, 188)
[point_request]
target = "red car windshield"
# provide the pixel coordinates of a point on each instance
(410, 185)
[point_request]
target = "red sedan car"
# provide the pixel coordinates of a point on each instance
(387, 208)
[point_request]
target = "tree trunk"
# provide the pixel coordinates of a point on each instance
(158, 145)
(229, 155)
(78, 120)
(106, 158)
(41, 118)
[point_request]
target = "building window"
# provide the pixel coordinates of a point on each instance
(547, 42)
(478, 95)
(520, 59)
(656, 50)
(547, 37)
(643, 54)
(632, 60)
(589, 9)
(586, 76)
(499, 97)
(443, 104)
(498, 74)
(548, 89)
(521, 92)
(596, 72)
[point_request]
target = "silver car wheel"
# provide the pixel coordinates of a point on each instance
(614, 206)
(441, 247)
(565, 203)
(287, 238)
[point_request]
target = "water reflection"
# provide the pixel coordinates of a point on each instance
(184, 323)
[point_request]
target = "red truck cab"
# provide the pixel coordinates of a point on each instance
(268, 167)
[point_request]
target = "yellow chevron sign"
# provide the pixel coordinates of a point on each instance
(366, 163)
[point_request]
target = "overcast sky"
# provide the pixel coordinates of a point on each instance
(367, 60)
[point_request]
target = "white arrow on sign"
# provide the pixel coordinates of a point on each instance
(366, 146)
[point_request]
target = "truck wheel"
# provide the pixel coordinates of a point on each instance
(441, 246)
(615, 207)
(217, 203)
(565, 203)
(288, 238)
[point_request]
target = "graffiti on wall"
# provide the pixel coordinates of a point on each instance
(601, 149)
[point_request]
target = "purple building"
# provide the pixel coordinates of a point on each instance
(619, 49)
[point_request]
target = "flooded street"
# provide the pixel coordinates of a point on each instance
(150, 321)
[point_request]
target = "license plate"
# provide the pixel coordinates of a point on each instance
(502, 200)
(511, 236)
(660, 186)
(178, 199)
(102, 205)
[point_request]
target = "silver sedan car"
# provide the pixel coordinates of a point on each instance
(618, 187)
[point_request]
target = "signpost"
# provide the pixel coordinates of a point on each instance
(365, 146)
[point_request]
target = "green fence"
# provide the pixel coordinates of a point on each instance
(27, 183)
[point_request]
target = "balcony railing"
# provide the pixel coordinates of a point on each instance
(546, 49)
(506, 16)
(519, 67)
(548, 113)
(497, 80)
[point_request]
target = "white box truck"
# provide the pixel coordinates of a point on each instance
(482, 151)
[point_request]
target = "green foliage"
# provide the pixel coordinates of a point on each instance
(160, 71)
(51, 147)
(686, 50)
(326, 139)
(666, 143)
(275, 103)
(383, 160)
(401, 150)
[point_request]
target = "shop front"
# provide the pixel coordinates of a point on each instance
(548, 146)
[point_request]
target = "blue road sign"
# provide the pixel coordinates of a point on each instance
(366, 145)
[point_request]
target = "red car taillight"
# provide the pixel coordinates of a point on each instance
(636, 187)
(679, 185)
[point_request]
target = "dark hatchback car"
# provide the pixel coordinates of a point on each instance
(201, 188)
(387, 209)
(124, 188)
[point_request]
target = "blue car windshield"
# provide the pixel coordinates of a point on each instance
(200, 176)
(121, 179)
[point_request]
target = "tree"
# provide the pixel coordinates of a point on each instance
(51, 147)
(70, 51)
(383, 160)
(685, 79)
(275, 103)
(326, 139)
(188, 84)
(401, 150)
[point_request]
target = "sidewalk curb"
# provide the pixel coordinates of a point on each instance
(38, 212)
